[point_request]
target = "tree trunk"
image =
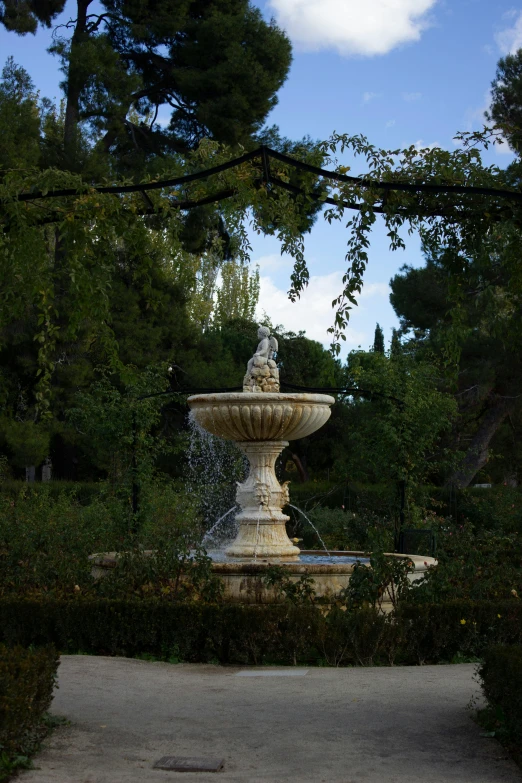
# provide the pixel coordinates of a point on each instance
(301, 468)
(478, 451)
(76, 78)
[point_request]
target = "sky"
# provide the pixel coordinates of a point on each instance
(401, 72)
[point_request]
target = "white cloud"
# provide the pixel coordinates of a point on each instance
(369, 96)
(272, 262)
(373, 27)
(313, 312)
(390, 123)
(503, 148)
(421, 145)
(411, 96)
(510, 39)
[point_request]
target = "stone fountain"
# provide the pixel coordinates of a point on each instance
(261, 421)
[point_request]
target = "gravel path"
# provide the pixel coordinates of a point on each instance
(361, 725)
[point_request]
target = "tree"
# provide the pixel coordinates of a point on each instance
(238, 294)
(216, 66)
(23, 16)
(395, 430)
(489, 373)
(20, 119)
(378, 340)
(506, 99)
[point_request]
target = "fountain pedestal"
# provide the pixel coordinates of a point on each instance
(261, 498)
(261, 424)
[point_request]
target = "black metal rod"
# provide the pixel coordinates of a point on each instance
(135, 485)
(264, 153)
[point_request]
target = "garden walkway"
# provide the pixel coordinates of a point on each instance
(374, 725)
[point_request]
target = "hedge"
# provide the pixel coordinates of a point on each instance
(501, 675)
(246, 634)
(27, 680)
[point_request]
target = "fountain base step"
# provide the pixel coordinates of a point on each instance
(244, 579)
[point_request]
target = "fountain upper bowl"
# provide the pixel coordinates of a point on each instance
(243, 416)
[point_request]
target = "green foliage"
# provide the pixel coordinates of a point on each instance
(288, 632)
(297, 591)
(218, 66)
(238, 294)
(378, 340)
(395, 432)
(27, 681)
(501, 675)
(345, 530)
(489, 372)
(438, 632)
(113, 424)
(46, 541)
(472, 564)
(28, 441)
(384, 578)
(506, 99)
(20, 118)
(497, 508)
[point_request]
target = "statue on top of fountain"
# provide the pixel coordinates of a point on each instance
(262, 374)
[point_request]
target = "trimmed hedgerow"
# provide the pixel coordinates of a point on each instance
(501, 674)
(458, 628)
(284, 633)
(27, 680)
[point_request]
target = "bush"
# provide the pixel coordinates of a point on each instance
(496, 508)
(46, 540)
(284, 633)
(474, 565)
(501, 675)
(459, 628)
(346, 530)
(27, 681)
(85, 492)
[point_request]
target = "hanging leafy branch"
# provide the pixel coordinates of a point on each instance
(450, 198)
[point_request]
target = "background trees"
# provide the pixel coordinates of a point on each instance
(90, 281)
(489, 375)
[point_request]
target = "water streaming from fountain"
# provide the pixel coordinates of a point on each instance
(207, 538)
(313, 528)
(214, 466)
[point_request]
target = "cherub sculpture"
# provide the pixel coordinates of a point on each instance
(262, 374)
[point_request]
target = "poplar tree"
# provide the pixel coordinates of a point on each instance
(378, 340)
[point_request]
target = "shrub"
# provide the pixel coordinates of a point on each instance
(497, 508)
(27, 680)
(443, 631)
(286, 632)
(344, 530)
(472, 565)
(46, 540)
(386, 579)
(501, 675)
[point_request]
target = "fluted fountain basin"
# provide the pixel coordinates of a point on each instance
(261, 417)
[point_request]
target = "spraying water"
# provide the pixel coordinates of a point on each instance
(210, 536)
(313, 527)
(214, 468)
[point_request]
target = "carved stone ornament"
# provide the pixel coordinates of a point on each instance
(262, 374)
